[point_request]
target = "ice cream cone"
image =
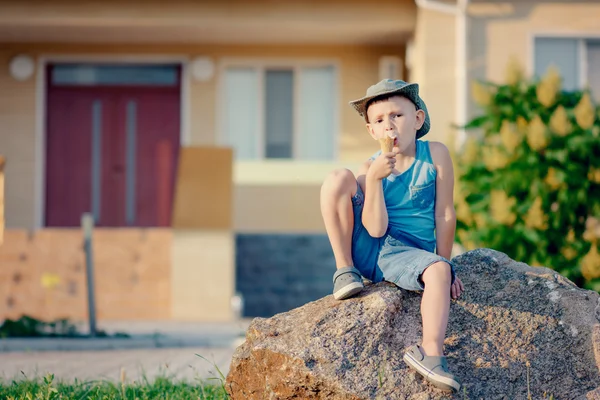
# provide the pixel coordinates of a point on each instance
(387, 144)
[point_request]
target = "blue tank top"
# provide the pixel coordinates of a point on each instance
(410, 201)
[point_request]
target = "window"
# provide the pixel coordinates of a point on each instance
(578, 61)
(279, 113)
(114, 75)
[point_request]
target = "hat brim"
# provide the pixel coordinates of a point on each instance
(410, 91)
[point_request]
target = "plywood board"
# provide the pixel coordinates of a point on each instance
(43, 274)
(204, 188)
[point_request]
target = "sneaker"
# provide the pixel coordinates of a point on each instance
(432, 368)
(347, 282)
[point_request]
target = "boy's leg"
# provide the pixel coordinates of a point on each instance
(414, 269)
(428, 359)
(435, 307)
(338, 215)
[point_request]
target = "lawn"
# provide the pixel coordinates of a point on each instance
(160, 388)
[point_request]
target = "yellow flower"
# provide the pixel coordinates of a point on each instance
(571, 236)
(535, 217)
(585, 112)
(536, 134)
(594, 175)
(481, 94)
(470, 245)
(549, 87)
(50, 281)
(463, 211)
(568, 252)
(559, 122)
(521, 124)
(592, 230)
(495, 159)
(590, 264)
(467, 243)
(510, 136)
(552, 179)
(501, 208)
(471, 151)
(480, 221)
(514, 72)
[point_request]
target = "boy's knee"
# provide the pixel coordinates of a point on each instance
(339, 181)
(439, 271)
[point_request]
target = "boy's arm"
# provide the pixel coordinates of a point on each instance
(374, 215)
(445, 216)
(362, 174)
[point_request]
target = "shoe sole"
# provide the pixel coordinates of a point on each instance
(348, 291)
(438, 381)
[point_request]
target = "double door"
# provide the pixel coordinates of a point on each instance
(111, 151)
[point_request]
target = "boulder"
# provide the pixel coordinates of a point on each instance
(515, 331)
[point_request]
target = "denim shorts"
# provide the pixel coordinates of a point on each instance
(386, 258)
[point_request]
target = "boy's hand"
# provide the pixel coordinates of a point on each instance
(457, 288)
(382, 166)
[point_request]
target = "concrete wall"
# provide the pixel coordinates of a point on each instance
(202, 275)
(276, 273)
(434, 68)
(18, 145)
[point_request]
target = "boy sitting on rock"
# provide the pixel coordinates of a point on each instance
(395, 221)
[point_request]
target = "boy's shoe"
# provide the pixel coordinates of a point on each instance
(347, 282)
(433, 368)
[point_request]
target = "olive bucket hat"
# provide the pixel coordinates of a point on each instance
(389, 87)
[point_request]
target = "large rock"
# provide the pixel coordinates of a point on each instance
(513, 321)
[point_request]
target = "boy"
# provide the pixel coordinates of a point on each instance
(386, 223)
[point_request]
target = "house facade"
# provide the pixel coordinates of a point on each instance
(198, 135)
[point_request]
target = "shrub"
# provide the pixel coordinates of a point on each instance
(528, 179)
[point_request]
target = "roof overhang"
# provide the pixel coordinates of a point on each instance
(226, 22)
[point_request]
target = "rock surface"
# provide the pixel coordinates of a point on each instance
(513, 321)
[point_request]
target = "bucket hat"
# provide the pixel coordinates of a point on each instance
(389, 87)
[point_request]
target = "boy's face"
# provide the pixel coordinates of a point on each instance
(396, 117)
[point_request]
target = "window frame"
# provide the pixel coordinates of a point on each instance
(581, 37)
(260, 65)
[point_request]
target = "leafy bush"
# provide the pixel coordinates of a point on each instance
(528, 179)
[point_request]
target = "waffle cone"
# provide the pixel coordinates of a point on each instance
(387, 144)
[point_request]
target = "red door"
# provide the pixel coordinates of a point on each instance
(111, 151)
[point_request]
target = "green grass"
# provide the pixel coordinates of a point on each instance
(160, 388)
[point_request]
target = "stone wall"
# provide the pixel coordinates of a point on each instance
(278, 272)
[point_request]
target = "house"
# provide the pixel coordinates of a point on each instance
(198, 133)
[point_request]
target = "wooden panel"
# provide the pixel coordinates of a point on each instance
(1, 199)
(43, 274)
(203, 194)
